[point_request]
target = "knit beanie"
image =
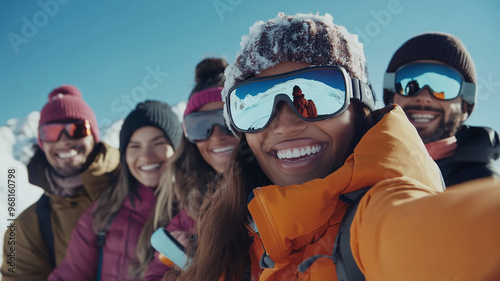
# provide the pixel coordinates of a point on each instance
(441, 47)
(151, 113)
(309, 38)
(65, 103)
(201, 98)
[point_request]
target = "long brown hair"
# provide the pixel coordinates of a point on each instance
(223, 241)
(112, 198)
(110, 202)
(188, 174)
(182, 184)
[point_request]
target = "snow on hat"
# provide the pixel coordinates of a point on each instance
(65, 103)
(438, 46)
(151, 113)
(201, 98)
(309, 38)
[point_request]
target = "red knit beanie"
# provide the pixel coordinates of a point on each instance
(201, 98)
(66, 103)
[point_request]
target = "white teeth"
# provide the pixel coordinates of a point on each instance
(308, 150)
(223, 149)
(67, 154)
(297, 152)
(149, 167)
(422, 118)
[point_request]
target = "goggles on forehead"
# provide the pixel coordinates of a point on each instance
(198, 126)
(442, 81)
(75, 130)
(314, 93)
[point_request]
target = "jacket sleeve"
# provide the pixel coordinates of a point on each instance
(156, 270)
(81, 258)
(405, 231)
(25, 255)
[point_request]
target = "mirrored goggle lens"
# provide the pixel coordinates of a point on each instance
(316, 95)
(443, 82)
(52, 132)
(198, 126)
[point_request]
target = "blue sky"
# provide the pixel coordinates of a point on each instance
(122, 52)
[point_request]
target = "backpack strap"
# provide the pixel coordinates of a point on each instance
(347, 269)
(101, 240)
(43, 210)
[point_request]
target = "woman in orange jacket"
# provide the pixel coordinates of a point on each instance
(277, 213)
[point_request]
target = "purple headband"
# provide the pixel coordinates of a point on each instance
(201, 98)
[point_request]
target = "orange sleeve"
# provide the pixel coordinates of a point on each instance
(406, 231)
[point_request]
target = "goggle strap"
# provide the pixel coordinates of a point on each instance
(468, 92)
(363, 92)
(389, 81)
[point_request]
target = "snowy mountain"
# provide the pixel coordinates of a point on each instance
(17, 138)
(254, 102)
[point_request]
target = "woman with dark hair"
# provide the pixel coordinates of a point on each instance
(112, 238)
(201, 158)
(277, 212)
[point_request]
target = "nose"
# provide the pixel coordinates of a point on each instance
(147, 151)
(63, 141)
(217, 133)
(287, 122)
(424, 97)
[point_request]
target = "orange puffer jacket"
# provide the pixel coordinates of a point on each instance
(405, 228)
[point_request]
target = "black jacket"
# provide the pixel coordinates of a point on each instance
(477, 149)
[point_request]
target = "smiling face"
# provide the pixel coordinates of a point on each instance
(434, 119)
(147, 154)
(219, 146)
(67, 156)
(293, 151)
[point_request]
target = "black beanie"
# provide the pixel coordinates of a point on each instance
(151, 113)
(442, 47)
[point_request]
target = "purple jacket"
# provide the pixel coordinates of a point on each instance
(81, 258)
(180, 222)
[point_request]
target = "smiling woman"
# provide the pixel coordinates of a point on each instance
(147, 154)
(123, 215)
(202, 158)
(277, 212)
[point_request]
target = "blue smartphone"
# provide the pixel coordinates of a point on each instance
(166, 244)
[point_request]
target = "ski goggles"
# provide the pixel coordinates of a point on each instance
(252, 104)
(442, 81)
(75, 130)
(198, 126)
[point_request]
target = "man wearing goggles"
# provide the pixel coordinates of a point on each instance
(73, 167)
(433, 78)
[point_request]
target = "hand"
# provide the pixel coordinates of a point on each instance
(182, 236)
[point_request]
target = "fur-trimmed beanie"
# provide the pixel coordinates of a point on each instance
(438, 46)
(151, 113)
(309, 38)
(65, 103)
